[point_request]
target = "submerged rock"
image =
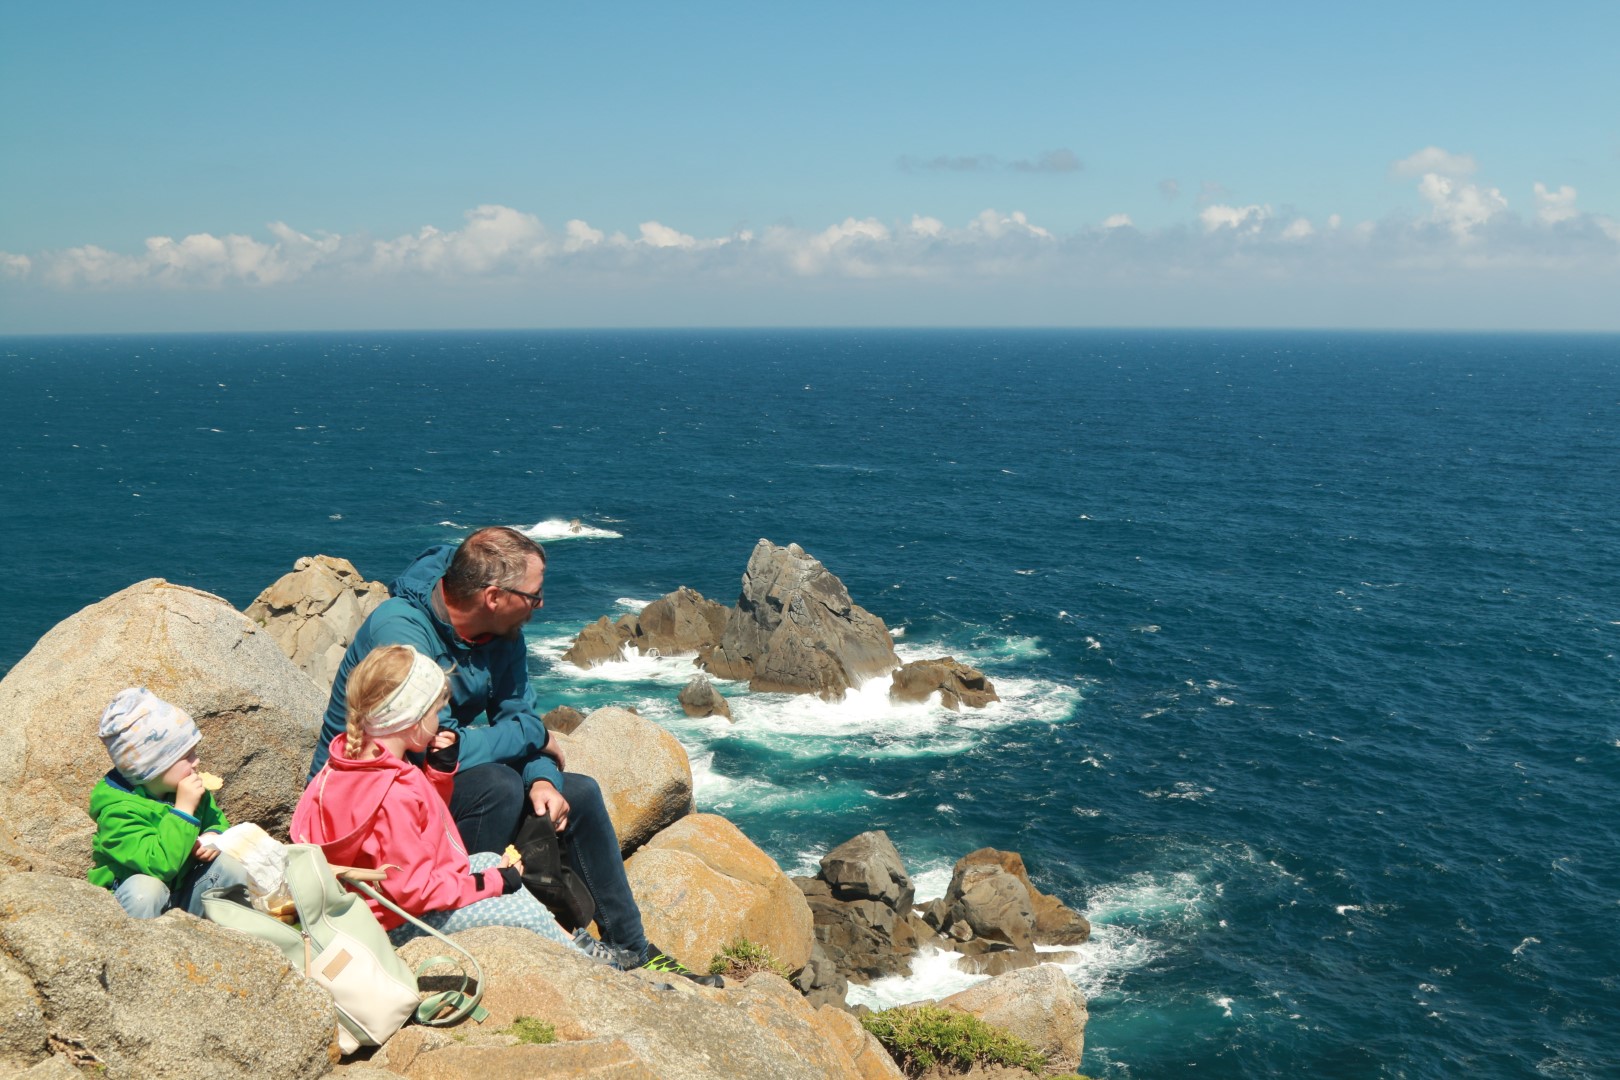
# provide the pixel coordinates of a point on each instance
(699, 698)
(956, 683)
(795, 629)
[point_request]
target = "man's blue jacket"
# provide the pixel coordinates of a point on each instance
(491, 704)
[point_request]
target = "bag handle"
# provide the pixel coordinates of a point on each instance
(461, 1003)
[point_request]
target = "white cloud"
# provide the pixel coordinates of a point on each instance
(1247, 220)
(1170, 189)
(1460, 207)
(657, 235)
(1555, 206)
(993, 223)
(1432, 159)
(1469, 229)
(926, 226)
(579, 236)
(496, 238)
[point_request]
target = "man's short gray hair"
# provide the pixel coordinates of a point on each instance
(494, 556)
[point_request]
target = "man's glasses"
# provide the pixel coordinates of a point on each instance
(535, 598)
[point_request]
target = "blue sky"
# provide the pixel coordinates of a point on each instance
(303, 166)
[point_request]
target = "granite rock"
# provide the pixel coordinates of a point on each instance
(313, 612)
(259, 715)
(795, 629)
(644, 772)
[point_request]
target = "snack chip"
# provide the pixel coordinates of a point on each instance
(512, 854)
(210, 782)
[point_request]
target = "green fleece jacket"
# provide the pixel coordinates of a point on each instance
(139, 834)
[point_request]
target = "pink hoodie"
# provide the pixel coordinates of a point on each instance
(384, 811)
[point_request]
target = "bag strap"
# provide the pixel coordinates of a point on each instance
(461, 1003)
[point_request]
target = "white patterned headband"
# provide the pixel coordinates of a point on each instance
(410, 700)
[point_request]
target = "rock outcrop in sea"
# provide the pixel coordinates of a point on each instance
(794, 629)
(83, 985)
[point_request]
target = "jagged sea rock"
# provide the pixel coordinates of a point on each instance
(795, 629)
(564, 718)
(259, 714)
(644, 772)
(600, 642)
(994, 903)
(680, 622)
(1055, 922)
(699, 698)
(956, 683)
(868, 867)
(863, 939)
(313, 612)
(702, 884)
(174, 996)
(1039, 1005)
(762, 1028)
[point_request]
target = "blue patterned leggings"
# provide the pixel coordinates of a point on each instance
(518, 909)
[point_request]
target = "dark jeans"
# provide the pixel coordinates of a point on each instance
(490, 800)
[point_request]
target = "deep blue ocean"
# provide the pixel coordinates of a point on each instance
(1307, 641)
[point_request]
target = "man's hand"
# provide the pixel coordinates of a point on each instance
(549, 802)
(553, 750)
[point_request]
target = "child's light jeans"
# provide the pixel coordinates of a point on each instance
(147, 897)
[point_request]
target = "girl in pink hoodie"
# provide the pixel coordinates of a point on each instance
(370, 807)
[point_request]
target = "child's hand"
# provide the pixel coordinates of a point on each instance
(443, 752)
(203, 853)
(512, 858)
(188, 793)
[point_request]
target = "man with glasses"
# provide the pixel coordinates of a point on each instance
(465, 607)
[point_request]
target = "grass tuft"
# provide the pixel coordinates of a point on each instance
(529, 1030)
(742, 958)
(920, 1037)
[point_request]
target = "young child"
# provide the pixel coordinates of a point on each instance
(151, 810)
(371, 807)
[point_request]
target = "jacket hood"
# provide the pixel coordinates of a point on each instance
(343, 799)
(415, 583)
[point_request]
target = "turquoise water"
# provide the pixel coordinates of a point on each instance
(1306, 641)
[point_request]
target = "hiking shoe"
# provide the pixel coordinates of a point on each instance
(660, 961)
(601, 951)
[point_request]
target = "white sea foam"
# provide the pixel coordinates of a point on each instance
(932, 879)
(553, 529)
(864, 724)
(633, 604)
(1518, 950)
(934, 974)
